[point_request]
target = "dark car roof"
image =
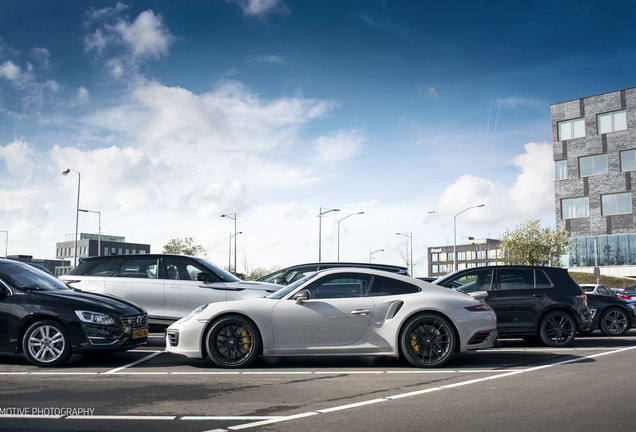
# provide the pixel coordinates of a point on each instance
(325, 265)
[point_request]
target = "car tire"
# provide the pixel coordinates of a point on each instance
(46, 343)
(232, 342)
(427, 340)
(614, 322)
(557, 329)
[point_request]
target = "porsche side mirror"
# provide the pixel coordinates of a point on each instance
(302, 296)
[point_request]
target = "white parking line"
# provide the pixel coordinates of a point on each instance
(255, 421)
(141, 360)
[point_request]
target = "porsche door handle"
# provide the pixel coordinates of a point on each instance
(360, 312)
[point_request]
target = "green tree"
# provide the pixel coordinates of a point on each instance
(183, 247)
(533, 245)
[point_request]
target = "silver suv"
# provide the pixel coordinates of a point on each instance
(168, 286)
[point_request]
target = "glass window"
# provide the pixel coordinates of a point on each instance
(434, 257)
(340, 286)
(461, 256)
(575, 208)
(481, 254)
(435, 269)
(541, 279)
(516, 279)
(561, 169)
(592, 165)
(471, 281)
(570, 129)
(628, 160)
(139, 268)
(611, 122)
(182, 268)
(385, 286)
(620, 203)
(442, 256)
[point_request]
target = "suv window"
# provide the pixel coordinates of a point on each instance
(182, 268)
(385, 287)
(542, 280)
(516, 279)
(476, 280)
(103, 268)
(143, 268)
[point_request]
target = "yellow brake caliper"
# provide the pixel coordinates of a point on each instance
(245, 337)
(414, 344)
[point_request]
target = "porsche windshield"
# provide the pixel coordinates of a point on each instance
(289, 288)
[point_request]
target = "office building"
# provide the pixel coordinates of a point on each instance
(471, 253)
(594, 143)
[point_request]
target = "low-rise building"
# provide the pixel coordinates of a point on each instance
(471, 252)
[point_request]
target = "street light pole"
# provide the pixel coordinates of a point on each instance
(229, 255)
(352, 214)
(371, 253)
(79, 179)
(410, 237)
(234, 219)
(320, 213)
(6, 243)
(99, 228)
(455, 233)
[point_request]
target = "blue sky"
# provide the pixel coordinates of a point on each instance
(177, 112)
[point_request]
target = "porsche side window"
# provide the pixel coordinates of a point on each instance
(385, 286)
(340, 287)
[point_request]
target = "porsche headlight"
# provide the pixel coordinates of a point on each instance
(95, 317)
(193, 314)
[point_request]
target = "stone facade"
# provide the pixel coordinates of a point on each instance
(594, 143)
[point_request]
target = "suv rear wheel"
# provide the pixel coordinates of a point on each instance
(557, 329)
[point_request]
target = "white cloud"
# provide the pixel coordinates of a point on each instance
(261, 8)
(530, 196)
(17, 157)
(124, 44)
(10, 71)
(338, 146)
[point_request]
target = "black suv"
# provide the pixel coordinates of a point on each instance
(530, 301)
(292, 274)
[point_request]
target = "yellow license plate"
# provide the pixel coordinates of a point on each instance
(140, 333)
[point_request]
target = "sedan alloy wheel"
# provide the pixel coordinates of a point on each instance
(46, 343)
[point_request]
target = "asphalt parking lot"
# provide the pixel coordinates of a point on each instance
(514, 385)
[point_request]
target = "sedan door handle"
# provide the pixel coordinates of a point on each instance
(360, 312)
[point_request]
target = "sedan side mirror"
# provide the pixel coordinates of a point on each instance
(302, 296)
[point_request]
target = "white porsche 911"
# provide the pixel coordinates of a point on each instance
(340, 312)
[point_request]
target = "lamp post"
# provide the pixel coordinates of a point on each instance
(371, 253)
(410, 237)
(455, 233)
(6, 243)
(99, 228)
(320, 213)
(79, 179)
(229, 255)
(352, 214)
(234, 219)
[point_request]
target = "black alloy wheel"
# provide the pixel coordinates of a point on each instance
(557, 329)
(615, 322)
(46, 343)
(427, 340)
(233, 342)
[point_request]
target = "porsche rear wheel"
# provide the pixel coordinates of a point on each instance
(427, 340)
(232, 342)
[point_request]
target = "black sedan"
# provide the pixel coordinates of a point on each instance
(610, 315)
(48, 321)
